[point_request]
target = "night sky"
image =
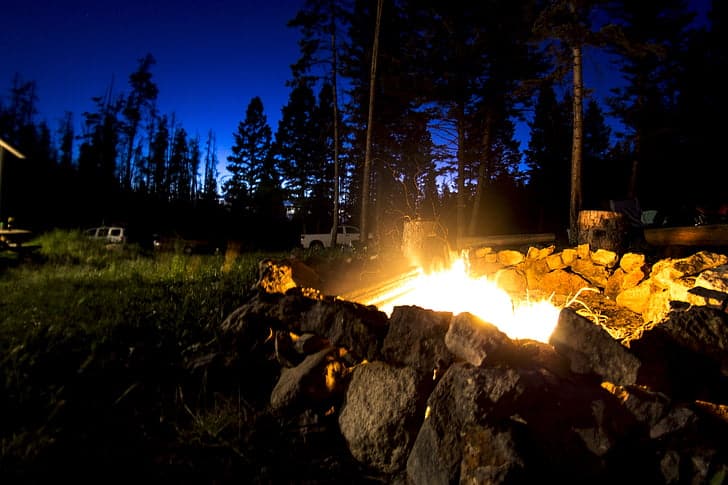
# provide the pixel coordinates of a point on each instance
(212, 57)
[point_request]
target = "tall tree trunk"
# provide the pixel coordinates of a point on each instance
(461, 198)
(576, 147)
(484, 161)
(335, 222)
(126, 179)
(367, 154)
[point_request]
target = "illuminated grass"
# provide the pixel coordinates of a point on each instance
(95, 344)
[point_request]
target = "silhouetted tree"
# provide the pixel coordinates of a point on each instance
(507, 60)
(66, 133)
(158, 159)
(701, 100)
(252, 148)
(21, 109)
(397, 140)
(325, 158)
(295, 149)
(364, 219)
(465, 63)
(138, 103)
(548, 160)
(209, 179)
(600, 181)
(20, 187)
(97, 158)
(566, 27)
(194, 168)
(178, 170)
(319, 22)
(652, 37)
(66, 182)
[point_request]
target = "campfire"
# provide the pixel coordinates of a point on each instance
(470, 375)
(455, 290)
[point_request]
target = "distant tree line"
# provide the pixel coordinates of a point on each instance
(453, 81)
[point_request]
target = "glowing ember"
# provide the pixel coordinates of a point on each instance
(453, 290)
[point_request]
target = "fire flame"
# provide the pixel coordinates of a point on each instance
(454, 290)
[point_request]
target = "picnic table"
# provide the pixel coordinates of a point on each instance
(15, 240)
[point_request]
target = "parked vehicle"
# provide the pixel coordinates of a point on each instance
(109, 234)
(345, 236)
(187, 245)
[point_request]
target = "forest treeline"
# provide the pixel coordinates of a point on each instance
(451, 82)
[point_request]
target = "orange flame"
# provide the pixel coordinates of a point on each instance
(454, 290)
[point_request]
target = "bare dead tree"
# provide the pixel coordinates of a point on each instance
(367, 153)
(576, 145)
(335, 102)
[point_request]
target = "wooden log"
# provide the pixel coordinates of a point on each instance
(708, 235)
(602, 229)
(510, 240)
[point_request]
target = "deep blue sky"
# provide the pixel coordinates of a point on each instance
(212, 56)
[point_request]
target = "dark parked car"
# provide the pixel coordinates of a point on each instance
(187, 245)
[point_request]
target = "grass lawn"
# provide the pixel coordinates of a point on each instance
(97, 374)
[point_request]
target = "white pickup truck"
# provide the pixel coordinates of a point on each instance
(345, 236)
(109, 234)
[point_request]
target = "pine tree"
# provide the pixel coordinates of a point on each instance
(194, 168)
(567, 29)
(98, 156)
(66, 133)
(649, 48)
(296, 151)
(325, 159)
(67, 180)
(209, 179)
(22, 109)
(139, 103)
(250, 151)
(158, 159)
(701, 99)
(548, 160)
(500, 92)
(398, 151)
(601, 178)
(319, 22)
(178, 169)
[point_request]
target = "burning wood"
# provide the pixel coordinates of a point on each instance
(455, 290)
(384, 293)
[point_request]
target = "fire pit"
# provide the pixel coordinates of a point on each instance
(445, 395)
